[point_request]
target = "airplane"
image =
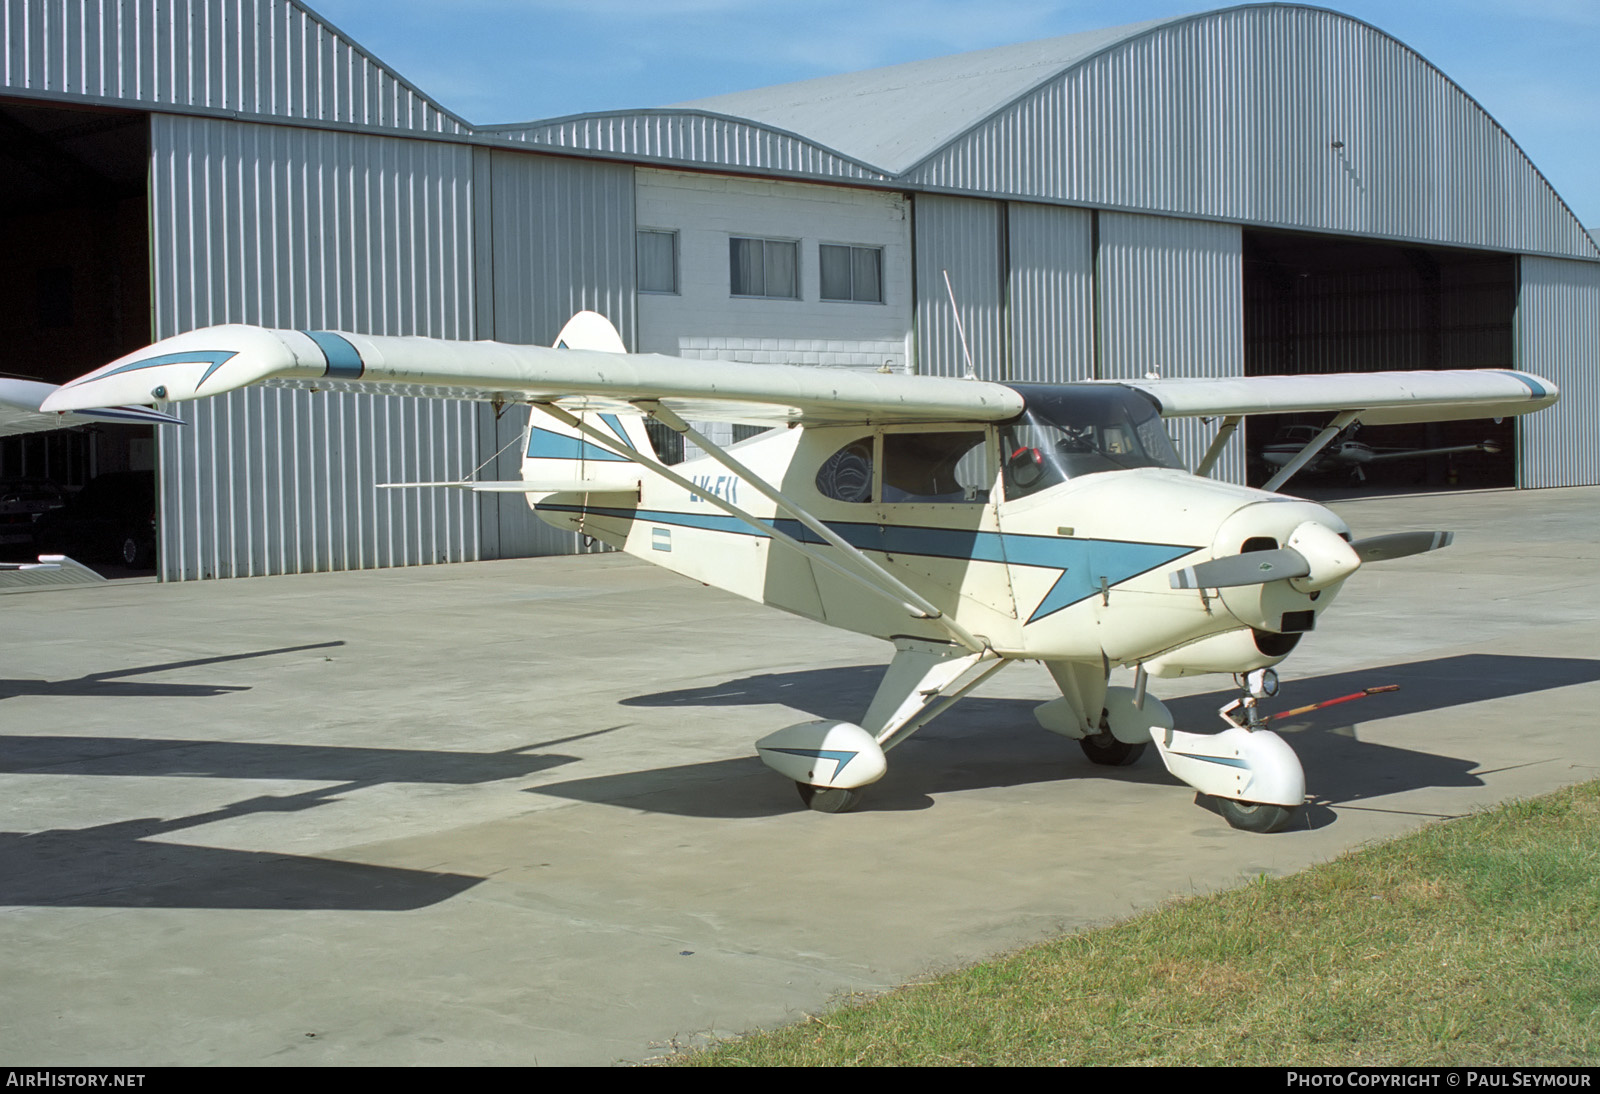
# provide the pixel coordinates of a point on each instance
(20, 413)
(1345, 453)
(971, 524)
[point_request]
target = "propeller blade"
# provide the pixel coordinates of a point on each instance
(1400, 544)
(1253, 568)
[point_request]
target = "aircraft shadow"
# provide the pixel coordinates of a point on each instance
(987, 742)
(118, 865)
(111, 685)
(130, 863)
(156, 756)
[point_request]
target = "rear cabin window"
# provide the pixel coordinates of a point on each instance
(935, 467)
(847, 474)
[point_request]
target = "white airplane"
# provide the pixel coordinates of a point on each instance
(20, 413)
(1345, 453)
(971, 524)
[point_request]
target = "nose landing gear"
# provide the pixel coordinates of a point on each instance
(1252, 773)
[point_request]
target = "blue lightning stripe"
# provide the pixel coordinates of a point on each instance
(147, 417)
(344, 362)
(1223, 760)
(1082, 562)
(839, 758)
(546, 444)
(215, 358)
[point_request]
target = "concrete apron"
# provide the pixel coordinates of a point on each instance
(510, 812)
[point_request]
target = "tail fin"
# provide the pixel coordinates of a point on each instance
(555, 452)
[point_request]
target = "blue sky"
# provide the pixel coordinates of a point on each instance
(1532, 64)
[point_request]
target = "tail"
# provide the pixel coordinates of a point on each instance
(555, 452)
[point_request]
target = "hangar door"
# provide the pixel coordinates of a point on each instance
(74, 232)
(1315, 304)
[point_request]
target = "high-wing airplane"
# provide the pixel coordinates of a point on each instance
(971, 524)
(20, 413)
(1345, 453)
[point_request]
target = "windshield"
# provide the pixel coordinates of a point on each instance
(1071, 430)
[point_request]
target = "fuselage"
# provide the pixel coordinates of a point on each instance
(1059, 558)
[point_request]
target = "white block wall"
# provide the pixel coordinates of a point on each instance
(704, 320)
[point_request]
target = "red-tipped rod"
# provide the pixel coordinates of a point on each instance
(1334, 702)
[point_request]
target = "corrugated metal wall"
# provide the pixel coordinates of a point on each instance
(1558, 337)
(1284, 116)
(964, 236)
(261, 57)
(1050, 291)
(314, 229)
(562, 240)
(1170, 301)
(689, 137)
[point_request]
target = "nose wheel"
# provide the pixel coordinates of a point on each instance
(828, 799)
(1254, 816)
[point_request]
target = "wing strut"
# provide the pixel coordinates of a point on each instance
(880, 581)
(1335, 427)
(1214, 453)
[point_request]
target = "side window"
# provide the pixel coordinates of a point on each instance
(847, 474)
(851, 273)
(935, 467)
(764, 267)
(658, 261)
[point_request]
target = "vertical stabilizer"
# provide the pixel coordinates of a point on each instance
(555, 452)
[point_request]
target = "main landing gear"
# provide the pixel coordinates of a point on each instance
(831, 761)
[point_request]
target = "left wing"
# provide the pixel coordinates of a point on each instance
(217, 359)
(20, 412)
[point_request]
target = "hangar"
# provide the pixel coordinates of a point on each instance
(1267, 188)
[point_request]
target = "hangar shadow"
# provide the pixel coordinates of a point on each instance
(130, 863)
(986, 742)
(111, 684)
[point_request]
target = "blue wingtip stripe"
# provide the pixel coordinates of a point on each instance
(1537, 389)
(344, 361)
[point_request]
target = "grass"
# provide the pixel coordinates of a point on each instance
(1475, 941)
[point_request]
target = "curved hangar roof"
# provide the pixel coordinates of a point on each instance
(1271, 114)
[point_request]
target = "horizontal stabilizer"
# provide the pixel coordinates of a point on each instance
(524, 486)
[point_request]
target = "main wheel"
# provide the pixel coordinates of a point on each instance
(132, 552)
(1255, 816)
(1105, 749)
(828, 799)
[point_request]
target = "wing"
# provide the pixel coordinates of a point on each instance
(20, 412)
(1381, 398)
(217, 359)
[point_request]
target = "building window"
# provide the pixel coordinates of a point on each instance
(658, 261)
(852, 273)
(764, 267)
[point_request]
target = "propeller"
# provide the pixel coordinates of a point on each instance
(1315, 554)
(1254, 568)
(1400, 544)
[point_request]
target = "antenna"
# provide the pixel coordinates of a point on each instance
(955, 310)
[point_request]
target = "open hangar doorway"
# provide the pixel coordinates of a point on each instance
(1320, 304)
(74, 227)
